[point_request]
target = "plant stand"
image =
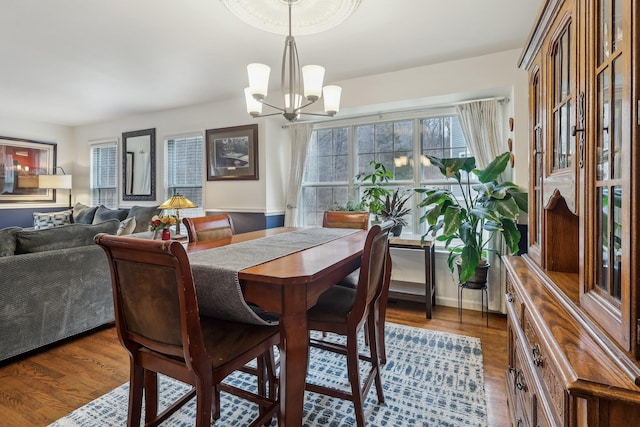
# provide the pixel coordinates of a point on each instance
(485, 297)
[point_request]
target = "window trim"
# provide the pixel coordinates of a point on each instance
(104, 143)
(373, 119)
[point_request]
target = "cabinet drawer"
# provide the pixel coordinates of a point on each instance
(525, 390)
(544, 369)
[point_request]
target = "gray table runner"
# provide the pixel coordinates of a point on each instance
(215, 271)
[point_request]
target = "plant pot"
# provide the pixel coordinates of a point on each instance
(396, 230)
(479, 279)
(166, 234)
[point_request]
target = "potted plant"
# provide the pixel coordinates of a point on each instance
(395, 210)
(350, 206)
(373, 196)
(468, 222)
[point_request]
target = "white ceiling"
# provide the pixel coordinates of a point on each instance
(75, 62)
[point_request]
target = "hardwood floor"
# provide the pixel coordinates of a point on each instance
(39, 389)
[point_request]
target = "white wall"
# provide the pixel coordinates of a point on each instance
(248, 196)
(447, 83)
(450, 82)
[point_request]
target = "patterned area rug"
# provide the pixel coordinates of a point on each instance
(430, 379)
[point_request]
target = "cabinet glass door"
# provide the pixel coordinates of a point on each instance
(563, 108)
(608, 151)
(536, 208)
(606, 287)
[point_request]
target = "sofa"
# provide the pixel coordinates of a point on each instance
(55, 281)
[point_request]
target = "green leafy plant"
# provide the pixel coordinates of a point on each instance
(467, 224)
(394, 207)
(349, 206)
(373, 196)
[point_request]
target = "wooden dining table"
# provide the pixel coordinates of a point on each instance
(289, 286)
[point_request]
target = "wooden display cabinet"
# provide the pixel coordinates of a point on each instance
(574, 300)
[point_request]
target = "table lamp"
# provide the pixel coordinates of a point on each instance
(56, 181)
(177, 202)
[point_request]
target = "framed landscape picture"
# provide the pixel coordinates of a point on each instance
(232, 153)
(21, 161)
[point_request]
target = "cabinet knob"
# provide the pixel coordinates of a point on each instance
(521, 384)
(537, 355)
(510, 297)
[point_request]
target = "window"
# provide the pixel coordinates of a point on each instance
(185, 156)
(104, 174)
(337, 154)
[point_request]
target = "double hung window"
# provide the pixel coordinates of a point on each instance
(184, 169)
(104, 174)
(338, 153)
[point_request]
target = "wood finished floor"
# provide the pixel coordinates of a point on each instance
(39, 389)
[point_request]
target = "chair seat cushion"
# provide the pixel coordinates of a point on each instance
(226, 340)
(333, 305)
(351, 281)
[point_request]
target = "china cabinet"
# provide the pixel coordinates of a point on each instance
(574, 299)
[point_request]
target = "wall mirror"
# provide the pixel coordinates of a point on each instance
(139, 165)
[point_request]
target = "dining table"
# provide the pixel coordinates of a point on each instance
(288, 286)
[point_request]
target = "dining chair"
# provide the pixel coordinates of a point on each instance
(348, 219)
(209, 227)
(158, 323)
(345, 219)
(343, 310)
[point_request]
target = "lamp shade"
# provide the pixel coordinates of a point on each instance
(54, 181)
(332, 99)
(254, 107)
(177, 202)
(258, 79)
(313, 77)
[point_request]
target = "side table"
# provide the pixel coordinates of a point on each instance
(414, 241)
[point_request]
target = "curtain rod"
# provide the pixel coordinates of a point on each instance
(500, 99)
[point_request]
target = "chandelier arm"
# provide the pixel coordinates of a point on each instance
(304, 113)
(255, 116)
(272, 106)
(306, 105)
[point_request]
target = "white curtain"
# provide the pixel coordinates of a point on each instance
(482, 126)
(481, 123)
(300, 135)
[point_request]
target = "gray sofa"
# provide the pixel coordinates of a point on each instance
(54, 283)
(52, 294)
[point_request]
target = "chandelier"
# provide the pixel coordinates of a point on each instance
(301, 87)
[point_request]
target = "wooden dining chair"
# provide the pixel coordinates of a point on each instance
(158, 323)
(345, 219)
(343, 310)
(208, 227)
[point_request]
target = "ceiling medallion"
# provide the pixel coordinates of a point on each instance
(311, 16)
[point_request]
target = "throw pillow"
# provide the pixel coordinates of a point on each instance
(127, 226)
(143, 215)
(83, 214)
(8, 241)
(63, 237)
(42, 220)
(103, 213)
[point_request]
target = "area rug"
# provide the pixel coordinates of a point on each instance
(430, 379)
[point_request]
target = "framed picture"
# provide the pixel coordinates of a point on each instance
(232, 153)
(21, 161)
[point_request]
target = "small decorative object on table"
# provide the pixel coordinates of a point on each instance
(161, 223)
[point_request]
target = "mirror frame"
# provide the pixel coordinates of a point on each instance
(152, 156)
